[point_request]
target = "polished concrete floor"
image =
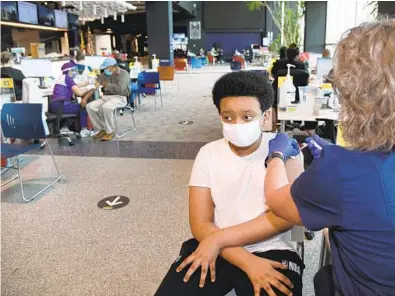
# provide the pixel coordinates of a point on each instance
(62, 243)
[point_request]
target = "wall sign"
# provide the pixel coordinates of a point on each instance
(195, 30)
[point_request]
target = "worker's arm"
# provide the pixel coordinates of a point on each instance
(78, 91)
(83, 83)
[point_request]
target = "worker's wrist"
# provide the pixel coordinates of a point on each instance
(274, 157)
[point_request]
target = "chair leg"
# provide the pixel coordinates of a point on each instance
(14, 159)
(59, 176)
(300, 250)
(161, 98)
(155, 101)
(119, 136)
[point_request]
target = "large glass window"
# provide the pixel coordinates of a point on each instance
(342, 16)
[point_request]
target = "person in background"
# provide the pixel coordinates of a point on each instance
(64, 89)
(201, 52)
(292, 58)
(7, 67)
(122, 63)
(82, 69)
(351, 190)
(326, 54)
(220, 52)
(227, 211)
(115, 86)
(283, 53)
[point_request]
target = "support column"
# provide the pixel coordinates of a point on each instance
(315, 26)
(160, 29)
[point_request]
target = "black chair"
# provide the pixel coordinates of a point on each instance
(300, 78)
(54, 119)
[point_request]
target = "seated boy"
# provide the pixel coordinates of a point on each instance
(228, 214)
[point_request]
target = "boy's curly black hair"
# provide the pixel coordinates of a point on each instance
(244, 84)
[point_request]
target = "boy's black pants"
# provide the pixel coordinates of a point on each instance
(228, 276)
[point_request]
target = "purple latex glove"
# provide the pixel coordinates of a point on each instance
(284, 144)
(316, 144)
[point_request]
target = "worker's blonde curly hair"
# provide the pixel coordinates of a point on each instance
(364, 76)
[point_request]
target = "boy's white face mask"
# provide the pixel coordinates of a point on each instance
(243, 134)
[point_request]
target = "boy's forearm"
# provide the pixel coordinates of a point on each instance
(238, 256)
(262, 228)
(202, 230)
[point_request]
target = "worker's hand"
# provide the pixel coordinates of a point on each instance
(103, 83)
(205, 257)
(287, 146)
(97, 84)
(316, 144)
(263, 275)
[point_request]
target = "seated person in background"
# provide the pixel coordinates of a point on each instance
(227, 209)
(7, 67)
(63, 92)
(115, 82)
(283, 53)
(201, 52)
(292, 58)
(122, 63)
(326, 54)
(237, 53)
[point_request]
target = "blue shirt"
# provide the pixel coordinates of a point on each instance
(353, 193)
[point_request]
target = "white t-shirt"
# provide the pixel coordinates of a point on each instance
(237, 187)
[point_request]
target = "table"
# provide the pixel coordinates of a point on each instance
(326, 114)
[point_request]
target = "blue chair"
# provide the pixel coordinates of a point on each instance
(196, 63)
(149, 78)
(23, 121)
(204, 61)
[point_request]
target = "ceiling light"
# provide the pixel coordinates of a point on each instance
(102, 21)
(80, 4)
(115, 16)
(105, 12)
(94, 9)
(123, 18)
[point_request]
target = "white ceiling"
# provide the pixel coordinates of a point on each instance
(85, 9)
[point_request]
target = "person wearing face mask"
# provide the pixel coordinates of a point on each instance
(63, 92)
(225, 193)
(115, 86)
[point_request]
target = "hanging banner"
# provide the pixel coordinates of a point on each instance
(195, 30)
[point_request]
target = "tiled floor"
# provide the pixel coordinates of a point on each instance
(63, 244)
(192, 102)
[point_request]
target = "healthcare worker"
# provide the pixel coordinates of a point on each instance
(65, 88)
(350, 191)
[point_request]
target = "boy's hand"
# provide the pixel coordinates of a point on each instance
(263, 275)
(205, 257)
